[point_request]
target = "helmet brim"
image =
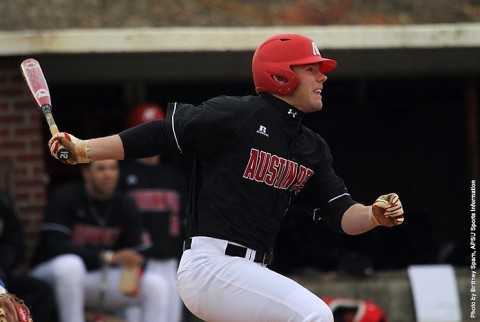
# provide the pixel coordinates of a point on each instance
(326, 64)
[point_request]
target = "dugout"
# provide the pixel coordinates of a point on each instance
(409, 93)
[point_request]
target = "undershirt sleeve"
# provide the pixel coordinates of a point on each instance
(332, 212)
(148, 139)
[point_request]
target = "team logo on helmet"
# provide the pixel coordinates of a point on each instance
(316, 52)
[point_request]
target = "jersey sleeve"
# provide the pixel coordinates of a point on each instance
(206, 128)
(326, 194)
(148, 139)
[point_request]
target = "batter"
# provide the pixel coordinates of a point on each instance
(253, 161)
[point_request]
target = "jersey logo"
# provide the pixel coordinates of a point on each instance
(292, 113)
(276, 171)
(263, 131)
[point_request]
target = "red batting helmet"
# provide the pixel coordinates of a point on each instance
(276, 56)
(144, 113)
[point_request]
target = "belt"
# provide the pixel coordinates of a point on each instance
(264, 258)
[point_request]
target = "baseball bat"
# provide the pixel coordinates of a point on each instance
(36, 82)
(100, 314)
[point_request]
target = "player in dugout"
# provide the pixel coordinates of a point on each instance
(253, 161)
(158, 191)
(89, 235)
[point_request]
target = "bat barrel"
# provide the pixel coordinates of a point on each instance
(36, 82)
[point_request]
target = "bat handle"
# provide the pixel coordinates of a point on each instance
(62, 153)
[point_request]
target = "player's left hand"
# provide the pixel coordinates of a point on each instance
(387, 211)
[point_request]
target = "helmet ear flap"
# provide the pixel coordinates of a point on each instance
(267, 79)
(279, 79)
(285, 85)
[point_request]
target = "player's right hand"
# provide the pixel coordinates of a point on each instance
(78, 148)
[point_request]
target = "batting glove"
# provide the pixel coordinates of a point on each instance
(78, 148)
(387, 211)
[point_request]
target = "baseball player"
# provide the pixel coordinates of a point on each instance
(158, 191)
(253, 160)
(89, 233)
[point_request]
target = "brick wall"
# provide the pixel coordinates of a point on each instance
(22, 148)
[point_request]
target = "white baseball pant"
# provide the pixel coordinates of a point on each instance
(220, 288)
(76, 289)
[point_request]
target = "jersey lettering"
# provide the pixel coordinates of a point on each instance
(252, 164)
(281, 170)
(262, 166)
(156, 199)
(303, 176)
(160, 200)
(289, 175)
(272, 170)
(276, 171)
(95, 236)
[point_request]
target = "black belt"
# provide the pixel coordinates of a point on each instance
(239, 251)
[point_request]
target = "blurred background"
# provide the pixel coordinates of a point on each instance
(400, 111)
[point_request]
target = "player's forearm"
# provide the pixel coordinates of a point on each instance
(355, 220)
(106, 148)
(145, 140)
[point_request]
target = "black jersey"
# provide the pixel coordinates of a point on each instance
(252, 159)
(158, 192)
(77, 224)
